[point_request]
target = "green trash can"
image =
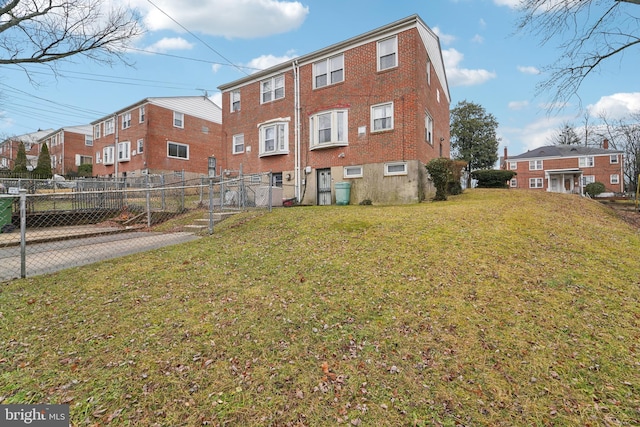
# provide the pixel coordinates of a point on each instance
(5, 211)
(343, 193)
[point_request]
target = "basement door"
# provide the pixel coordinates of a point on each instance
(324, 186)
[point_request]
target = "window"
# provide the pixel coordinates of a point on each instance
(513, 182)
(177, 151)
(328, 129)
(107, 155)
(98, 159)
(88, 140)
(613, 159)
(235, 100)
(83, 160)
(126, 120)
(585, 162)
(388, 53)
(96, 131)
(429, 73)
(124, 151)
(178, 120)
(536, 182)
(53, 161)
(328, 71)
(397, 168)
(276, 179)
(109, 127)
(588, 179)
(353, 172)
(140, 146)
(238, 144)
(614, 179)
(141, 114)
(535, 165)
(274, 138)
(513, 166)
(272, 89)
(428, 129)
(382, 117)
(438, 95)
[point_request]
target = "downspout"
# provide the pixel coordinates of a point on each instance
(296, 129)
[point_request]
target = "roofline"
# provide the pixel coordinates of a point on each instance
(146, 101)
(410, 21)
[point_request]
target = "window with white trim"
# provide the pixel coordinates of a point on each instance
(140, 146)
(395, 168)
(614, 178)
(178, 120)
(108, 155)
(126, 120)
(536, 182)
(141, 114)
(235, 100)
(328, 71)
(513, 183)
(535, 165)
(96, 131)
(272, 89)
(109, 127)
(88, 140)
(176, 150)
(382, 117)
(588, 179)
(613, 159)
(124, 151)
(585, 162)
(429, 72)
(513, 166)
(238, 144)
(98, 158)
(353, 171)
(387, 54)
(83, 160)
(329, 129)
(274, 138)
(428, 128)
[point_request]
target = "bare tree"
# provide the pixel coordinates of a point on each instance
(624, 135)
(44, 31)
(566, 136)
(591, 32)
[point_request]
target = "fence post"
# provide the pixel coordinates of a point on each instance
(23, 233)
(270, 191)
(183, 192)
(210, 205)
(148, 202)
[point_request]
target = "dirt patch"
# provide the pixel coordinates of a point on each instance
(627, 213)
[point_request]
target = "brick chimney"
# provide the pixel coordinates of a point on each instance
(605, 144)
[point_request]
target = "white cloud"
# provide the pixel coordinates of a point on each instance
(528, 69)
(533, 135)
(217, 98)
(518, 105)
(266, 61)
(513, 4)
(483, 23)
(463, 76)
(444, 38)
(478, 39)
(227, 18)
(169, 43)
(616, 106)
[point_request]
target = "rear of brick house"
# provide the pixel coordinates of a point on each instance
(371, 111)
(69, 147)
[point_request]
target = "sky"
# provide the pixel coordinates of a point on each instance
(191, 47)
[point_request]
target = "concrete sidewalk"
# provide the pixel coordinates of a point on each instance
(40, 235)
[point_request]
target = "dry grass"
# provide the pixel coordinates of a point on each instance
(494, 308)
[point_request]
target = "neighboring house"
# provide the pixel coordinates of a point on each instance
(158, 136)
(567, 168)
(69, 147)
(9, 149)
(371, 110)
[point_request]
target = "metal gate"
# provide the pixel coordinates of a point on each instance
(324, 186)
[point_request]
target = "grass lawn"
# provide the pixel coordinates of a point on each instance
(494, 308)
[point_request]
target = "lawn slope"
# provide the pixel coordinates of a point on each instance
(493, 308)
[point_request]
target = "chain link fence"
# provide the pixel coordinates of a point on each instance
(47, 225)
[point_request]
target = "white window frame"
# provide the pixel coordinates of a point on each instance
(237, 144)
(280, 138)
(82, 160)
(178, 145)
(141, 114)
(513, 166)
(98, 158)
(234, 98)
(381, 53)
(513, 183)
(272, 89)
(88, 140)
(353, 171)
(393, 165)
(96, 131)
(178, 120)
(339, 129)
(378, 107)
(108, 154)
(124, 151)
(588, 179)
(613, 159)
(140, 146)
(536, 182)
(536, 165)
(429, 72)
(428, 128)
(614, 178)
(126, 120)
(332, 66)
(586, 162)
(109, 127)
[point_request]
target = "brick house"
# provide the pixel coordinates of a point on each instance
(158, 136)
(371, 110)
(69, 147)
(9, 149)
(567, 168)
